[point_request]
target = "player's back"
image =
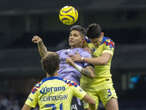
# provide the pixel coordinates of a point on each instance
(54, 93)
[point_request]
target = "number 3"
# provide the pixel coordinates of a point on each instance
(110, 93)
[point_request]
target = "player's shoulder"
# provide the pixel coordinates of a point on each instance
(108, 41)
(36, 87)
(62, 50)
(56, 78)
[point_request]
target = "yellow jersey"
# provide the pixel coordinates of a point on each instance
(54, 93)
(102, 72)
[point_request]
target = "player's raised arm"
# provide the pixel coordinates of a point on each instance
(101, 60)
(41, 47)
(87, 71)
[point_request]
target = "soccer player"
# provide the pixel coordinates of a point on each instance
(102, 49)
(53, 92)
(76, 40)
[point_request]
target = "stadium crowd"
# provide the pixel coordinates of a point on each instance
(11, 102)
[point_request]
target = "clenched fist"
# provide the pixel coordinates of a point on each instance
(36, 39)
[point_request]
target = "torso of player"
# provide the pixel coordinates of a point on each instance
(54, 93)
(102, 71)
(67, 71)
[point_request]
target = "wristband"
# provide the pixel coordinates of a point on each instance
(79, 68)
(82, 59)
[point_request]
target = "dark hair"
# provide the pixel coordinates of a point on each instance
(93, 30)
(79, 28)
(50, 63)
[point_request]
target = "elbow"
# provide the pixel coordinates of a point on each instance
(92, 102)
(92, 74)
(89, 100)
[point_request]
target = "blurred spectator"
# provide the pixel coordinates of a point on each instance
(3, 102)
(9, 103)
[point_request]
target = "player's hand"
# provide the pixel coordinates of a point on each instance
(36, 39)
(70, 61)
(76, 57)
(88, 50)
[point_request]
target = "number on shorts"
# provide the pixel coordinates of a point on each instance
(110, 93)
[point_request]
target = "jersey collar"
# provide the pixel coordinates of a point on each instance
(51, 78)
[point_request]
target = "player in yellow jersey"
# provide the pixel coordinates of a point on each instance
(75, 40)
(54, 93)
(102, 49)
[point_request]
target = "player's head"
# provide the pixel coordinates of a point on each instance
(76, 36)
(50, 63)
(94, 33)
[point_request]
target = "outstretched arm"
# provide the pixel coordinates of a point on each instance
(101, 60)
(41, 47)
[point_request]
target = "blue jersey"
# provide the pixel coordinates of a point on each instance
(67, 71)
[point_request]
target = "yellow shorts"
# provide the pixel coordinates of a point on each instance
(103, 92)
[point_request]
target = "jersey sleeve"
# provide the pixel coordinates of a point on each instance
(109, 46)
(78, 92)
(32, 99)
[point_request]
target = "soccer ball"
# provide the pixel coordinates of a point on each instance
(68, 15)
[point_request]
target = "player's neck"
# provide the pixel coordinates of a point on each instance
(55, 74)
(76, 46)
